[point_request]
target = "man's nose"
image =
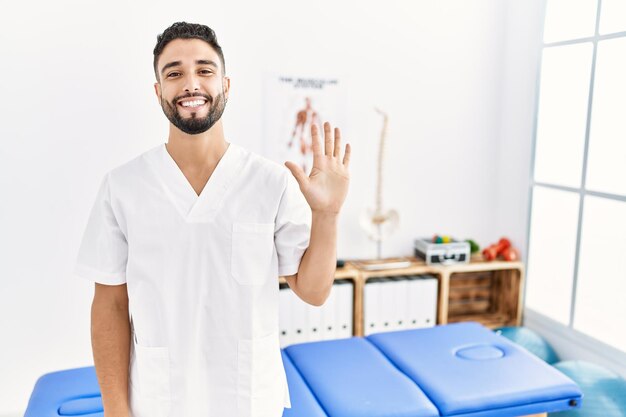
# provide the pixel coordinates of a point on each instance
(192, 82)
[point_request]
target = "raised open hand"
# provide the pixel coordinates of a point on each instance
(326, 187)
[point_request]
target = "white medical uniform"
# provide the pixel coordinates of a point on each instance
(202, 279)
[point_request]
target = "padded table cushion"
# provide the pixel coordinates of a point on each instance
(458, 369)
(303, 403)
(73, 392)
(351, 378)
(466, 369)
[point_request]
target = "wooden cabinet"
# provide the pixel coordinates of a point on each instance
(487, 292)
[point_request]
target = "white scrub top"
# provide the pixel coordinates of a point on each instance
(202, 279)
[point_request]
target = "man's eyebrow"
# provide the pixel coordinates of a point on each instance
(206, 62)
(198, 62)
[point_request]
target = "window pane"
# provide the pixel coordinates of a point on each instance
(601, 288)
(613, 16)
(551, 254)
(562, 117)
(606, 170)
(569, 19)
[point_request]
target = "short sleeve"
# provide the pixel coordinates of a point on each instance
(293, 227)
(103, 250)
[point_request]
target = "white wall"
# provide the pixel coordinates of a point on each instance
(78, 100)
(523, 39)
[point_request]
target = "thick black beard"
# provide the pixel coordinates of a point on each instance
(194, 125)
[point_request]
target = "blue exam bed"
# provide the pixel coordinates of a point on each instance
(461, 370)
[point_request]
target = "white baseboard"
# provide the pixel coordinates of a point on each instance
(571, 344)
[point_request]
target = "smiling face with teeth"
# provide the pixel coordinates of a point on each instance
(192, 89)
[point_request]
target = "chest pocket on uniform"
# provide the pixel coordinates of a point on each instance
(251, 252)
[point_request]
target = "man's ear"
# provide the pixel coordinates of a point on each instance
(157, 90)
(226, 86)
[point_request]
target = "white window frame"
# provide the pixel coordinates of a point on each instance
(560, 333)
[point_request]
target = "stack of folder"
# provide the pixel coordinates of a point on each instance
(399, 303)
(301, 322)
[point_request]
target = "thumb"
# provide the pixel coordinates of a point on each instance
(297, 172)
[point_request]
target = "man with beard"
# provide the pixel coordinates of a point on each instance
(185, 244)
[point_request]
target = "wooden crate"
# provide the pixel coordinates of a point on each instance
(492, 298)
(470, 293)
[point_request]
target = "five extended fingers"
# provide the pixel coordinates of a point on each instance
(332, 146)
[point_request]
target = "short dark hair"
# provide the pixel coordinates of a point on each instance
(184, 30)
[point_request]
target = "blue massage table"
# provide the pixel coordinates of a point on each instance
(461, 369)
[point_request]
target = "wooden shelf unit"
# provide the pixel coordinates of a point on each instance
(487, 292)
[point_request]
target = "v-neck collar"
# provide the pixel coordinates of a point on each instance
(192, 207)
